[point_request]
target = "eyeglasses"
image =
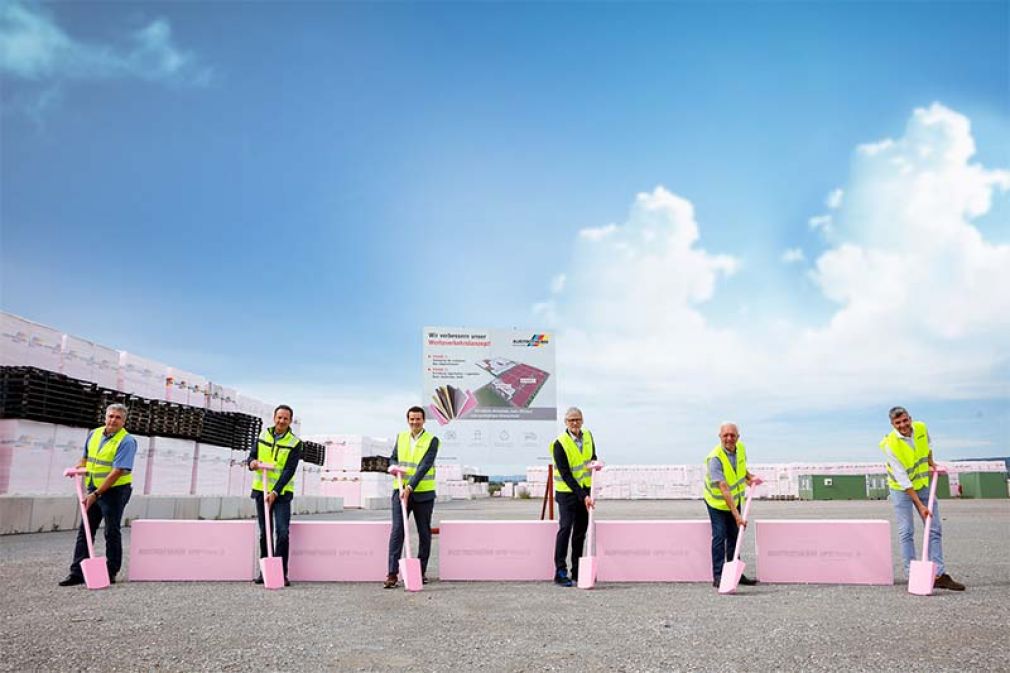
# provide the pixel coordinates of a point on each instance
(573, 420)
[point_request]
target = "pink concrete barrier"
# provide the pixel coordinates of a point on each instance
(824, 551)
(164, 550)
(654, 551)
(496, 550)
(338, 551)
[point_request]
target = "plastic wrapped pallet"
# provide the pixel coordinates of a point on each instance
(239, 476)
(142, 376)
(342, 484)
(29, 344)
(68, 448)
(26, 456)
(171, 466)
(212, 470)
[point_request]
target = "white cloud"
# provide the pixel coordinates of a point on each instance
(834, 199)
(923, 306)
(821, 223)
(793, 255)
(34, 48)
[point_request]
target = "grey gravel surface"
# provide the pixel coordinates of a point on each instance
(522, 626)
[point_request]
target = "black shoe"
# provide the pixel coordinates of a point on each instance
(561, 578)
(287, 582)
(717, 582)
(746, 581)
(424, 579)
(945, 581)
(71, 580)
(112, 579)
(258, 580)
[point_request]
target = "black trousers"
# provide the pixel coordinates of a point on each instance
(573, 522)
(110, 509)
(422, 512)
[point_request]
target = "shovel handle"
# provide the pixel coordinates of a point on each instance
(929, 519)
(79, 482)
(403, 513)
(746, 511)
(266, 509)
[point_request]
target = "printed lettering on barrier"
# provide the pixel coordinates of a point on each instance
(824, 551)
(338, 551)
(171, 550)
(496, 550)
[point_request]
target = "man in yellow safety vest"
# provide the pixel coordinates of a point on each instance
(415, 452)
(108, 457)
(909, 457)
(726, 480)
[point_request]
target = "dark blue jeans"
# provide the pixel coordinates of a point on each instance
(724, 532)
(422, 512)
(110, 509)
(573, 522)
(281, 524)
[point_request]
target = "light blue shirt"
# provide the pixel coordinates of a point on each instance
(715, 471)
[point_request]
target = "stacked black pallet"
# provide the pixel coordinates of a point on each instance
(39, 395)
(225, 428)
(138, 418)
(313, 452)
(374, 463)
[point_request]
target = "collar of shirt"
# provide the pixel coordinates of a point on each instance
(413, 439)
(577, 438)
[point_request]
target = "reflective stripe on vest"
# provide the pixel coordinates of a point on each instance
(736, 479)
(578, 461)
(915, 459)
(101, 458)
(409, 460)
(276, 450)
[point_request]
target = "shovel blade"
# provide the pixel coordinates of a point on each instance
(410, 570)
(921, 575)
(587, 572)
(731, 574)
(96, 572)
(272, 569)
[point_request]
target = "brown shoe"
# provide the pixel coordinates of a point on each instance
(390, 582)
(945, 581)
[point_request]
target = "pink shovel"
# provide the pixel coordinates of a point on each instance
(588, 565)
(271, 567)
(732, 571)
(410, 568)
(94, 568)
(922, 574)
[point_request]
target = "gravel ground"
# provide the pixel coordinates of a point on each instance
(521, 626)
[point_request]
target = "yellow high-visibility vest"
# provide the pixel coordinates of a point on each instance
(735, 478)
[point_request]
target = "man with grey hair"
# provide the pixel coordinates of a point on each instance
(108, 457)
(908, 455)
(726, 479)
(573, 450)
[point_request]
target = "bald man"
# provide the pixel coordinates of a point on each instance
(726, 480)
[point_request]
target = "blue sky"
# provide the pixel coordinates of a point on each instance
(281, 196)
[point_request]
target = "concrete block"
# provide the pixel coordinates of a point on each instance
(49, 514)
(210, 508)
(331, 504)
(15, 514)
(383, 502)
(230, 507)
(186, 508)
(246, 508)
(160, 507)
(136, 508)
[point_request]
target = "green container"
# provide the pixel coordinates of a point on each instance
(832, 487)
(943, 487)
(983, 485)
